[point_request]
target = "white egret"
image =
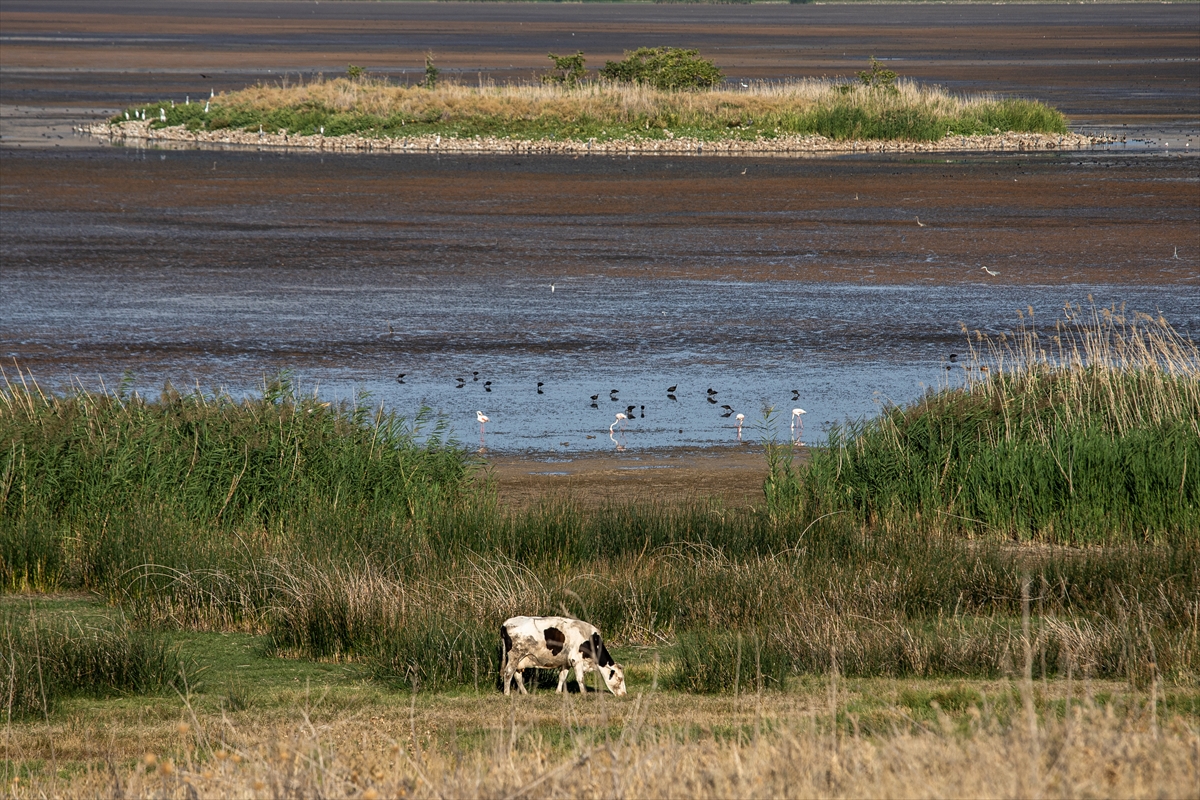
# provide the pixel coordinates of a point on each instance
(990, 272)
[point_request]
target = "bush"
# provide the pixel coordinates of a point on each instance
(568, 70)
(666, 68)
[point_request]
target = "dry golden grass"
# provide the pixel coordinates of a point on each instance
(650, 745)
(619, 103)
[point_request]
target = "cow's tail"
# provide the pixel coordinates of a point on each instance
(502, 652)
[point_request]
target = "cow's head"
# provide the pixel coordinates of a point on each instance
(614, 678)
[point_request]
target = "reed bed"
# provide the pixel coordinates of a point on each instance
(1089, 432)
(604, 111)
(94, 484)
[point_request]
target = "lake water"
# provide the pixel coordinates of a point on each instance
(776, 283)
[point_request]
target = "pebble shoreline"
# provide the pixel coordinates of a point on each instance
(140, 131)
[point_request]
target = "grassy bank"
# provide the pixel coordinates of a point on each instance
(1090, 433)
(608, 111)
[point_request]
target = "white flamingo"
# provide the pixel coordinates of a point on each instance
(798, 424)
(740, 419)
(483, 420)
(620, 420)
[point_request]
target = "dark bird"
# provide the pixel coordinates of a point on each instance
(475, 375)
(540, 384)
(711, 391)
(400, 377)
(629, 411)
(671, 389)
(643, 412)
(487, 383)
(596, 397)
(954, 356)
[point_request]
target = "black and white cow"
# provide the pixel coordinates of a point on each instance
(558, 643)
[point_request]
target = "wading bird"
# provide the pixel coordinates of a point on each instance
(919, 223)
(619, 420)
(798, 424)
(740, 419)
(671, 389)
(990, 272)
(711, 391)
(483, 420)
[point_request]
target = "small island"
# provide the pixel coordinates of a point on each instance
(656, 100)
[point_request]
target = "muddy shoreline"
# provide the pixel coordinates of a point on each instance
(139, 131)
(731, 477)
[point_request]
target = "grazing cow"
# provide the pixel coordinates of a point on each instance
(558, 643)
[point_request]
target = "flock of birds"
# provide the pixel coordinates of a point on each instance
(631, 411)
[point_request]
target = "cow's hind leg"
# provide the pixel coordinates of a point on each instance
(562, 679)
(521, 681)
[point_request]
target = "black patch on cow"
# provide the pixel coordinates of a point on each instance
(555, 640)
(604, 660)
(585, 650)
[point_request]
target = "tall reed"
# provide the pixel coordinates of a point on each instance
(92, 484)
(1086, 433)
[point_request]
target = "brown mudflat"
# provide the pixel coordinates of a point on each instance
(732, 476)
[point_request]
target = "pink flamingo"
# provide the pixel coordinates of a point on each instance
(483, 420)
(798, 425)
(740, 418)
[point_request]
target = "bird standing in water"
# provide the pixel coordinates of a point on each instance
(798, 425)
(740, 419)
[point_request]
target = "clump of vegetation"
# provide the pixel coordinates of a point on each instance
(655, 93)
(431, 73)
(664, 68)
(711, 661)
(568, 70)
(44, 660)
(1085, 434)
(150, 480)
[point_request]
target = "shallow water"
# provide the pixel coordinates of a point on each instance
(218, 269)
